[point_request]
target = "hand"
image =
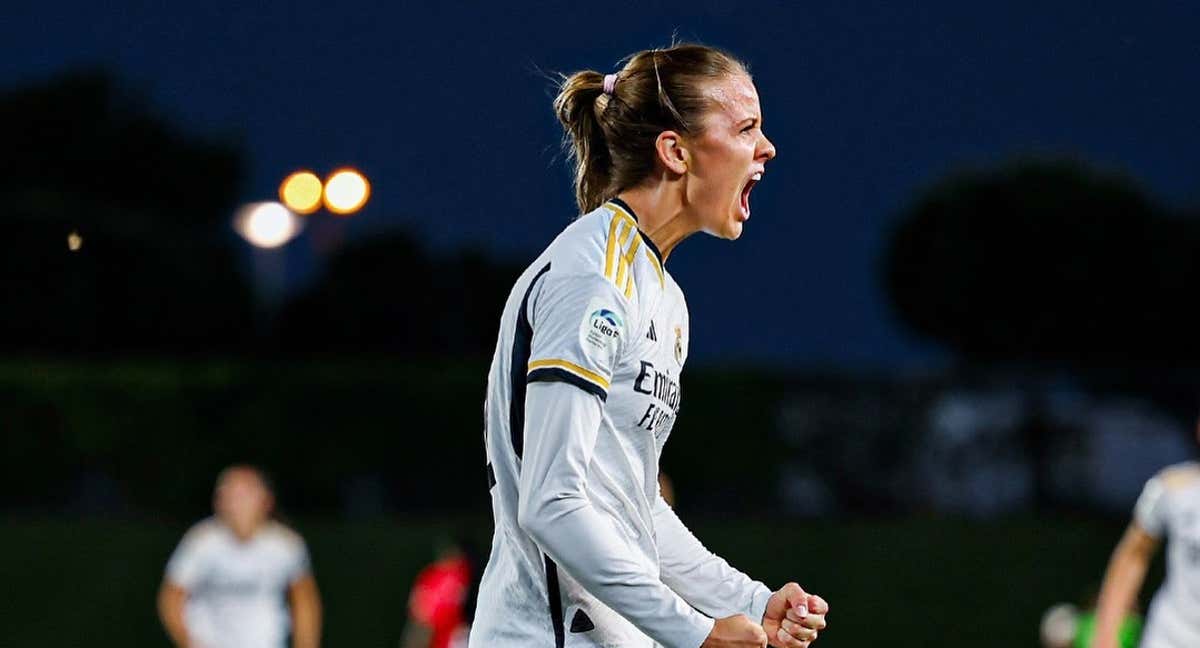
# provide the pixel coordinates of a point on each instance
(793, 618)
(737, 631)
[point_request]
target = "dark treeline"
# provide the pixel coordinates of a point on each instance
(1038, 263)
(1043, 265)
(154, 269)
(147, 207)
(1050, 264)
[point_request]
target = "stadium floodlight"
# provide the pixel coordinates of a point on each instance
(267, 224)
(346, 191)
(301, 192)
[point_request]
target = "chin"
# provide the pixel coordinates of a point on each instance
(732, 230)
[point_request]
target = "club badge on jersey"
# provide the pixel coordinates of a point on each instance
(679, 345)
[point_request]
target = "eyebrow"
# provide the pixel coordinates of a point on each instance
(754, 121)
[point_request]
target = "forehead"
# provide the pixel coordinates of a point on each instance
(734, 99)
(240, 478)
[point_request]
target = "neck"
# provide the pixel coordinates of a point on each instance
(660, 214)
(244, 533)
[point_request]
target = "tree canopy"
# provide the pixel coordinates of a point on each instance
(1047, 262)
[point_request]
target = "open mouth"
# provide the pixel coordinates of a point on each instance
(745, 203)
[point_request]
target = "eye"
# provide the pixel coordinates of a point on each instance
(749, 128)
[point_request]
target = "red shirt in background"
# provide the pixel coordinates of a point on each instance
(437, 598)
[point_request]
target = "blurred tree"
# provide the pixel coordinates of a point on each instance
(117, 233)
(387, 294)
(1047, 263)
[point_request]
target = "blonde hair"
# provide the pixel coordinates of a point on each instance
(611, 137)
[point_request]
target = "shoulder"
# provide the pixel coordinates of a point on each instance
(584, 245)
(605, 242)
(283, 536)
(206, 532)
(1179, 476)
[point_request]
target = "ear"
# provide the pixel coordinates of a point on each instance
(672, 152)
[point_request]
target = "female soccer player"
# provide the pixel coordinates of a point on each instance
(1168, 507)
(584, 385)
(227, 582)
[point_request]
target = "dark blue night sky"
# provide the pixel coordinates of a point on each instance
(444, 107)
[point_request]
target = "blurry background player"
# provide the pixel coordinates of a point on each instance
(1169, 507)
(240, 579)
(442, 600)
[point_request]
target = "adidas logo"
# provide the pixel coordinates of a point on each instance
(651, 335)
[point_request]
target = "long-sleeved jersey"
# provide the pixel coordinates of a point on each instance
(1170, 506)
(583, 392)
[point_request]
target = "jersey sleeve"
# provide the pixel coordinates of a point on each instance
(701, 577)
(187, 561)
(299, 563)
(580, 325)
(561, 427)
(1150, 512)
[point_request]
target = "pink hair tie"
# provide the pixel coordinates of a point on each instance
(610, 83)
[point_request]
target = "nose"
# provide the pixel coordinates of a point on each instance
(766, 150)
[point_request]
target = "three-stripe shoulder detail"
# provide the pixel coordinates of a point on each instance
(621, 249)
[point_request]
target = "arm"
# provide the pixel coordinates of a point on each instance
(702, 578)
(416, 635)
(562, 422)
(305, 603)
(1122, 581)
(171, 600)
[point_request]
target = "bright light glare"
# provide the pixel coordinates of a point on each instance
(267, 224)
(346, 191)
(301, 192)
(74, 241)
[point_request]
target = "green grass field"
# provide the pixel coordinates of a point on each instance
(904, 582)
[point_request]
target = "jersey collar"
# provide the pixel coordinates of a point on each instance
(645, 239)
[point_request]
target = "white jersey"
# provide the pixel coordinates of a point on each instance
(1170, 507)
(583, 392)
(237, 590)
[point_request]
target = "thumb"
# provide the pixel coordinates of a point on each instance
(795, 596)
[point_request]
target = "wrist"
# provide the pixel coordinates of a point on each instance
(758, 603)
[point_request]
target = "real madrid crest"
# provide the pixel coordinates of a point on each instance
(679, 345)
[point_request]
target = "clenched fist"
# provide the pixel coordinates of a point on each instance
(793, 617)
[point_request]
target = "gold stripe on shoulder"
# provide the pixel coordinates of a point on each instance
(618, 261)
(610, 251)
(623, 259)
(627, 263)
(662, 281)
(617, 209)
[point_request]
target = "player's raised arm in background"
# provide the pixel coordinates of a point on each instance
(1127, 568)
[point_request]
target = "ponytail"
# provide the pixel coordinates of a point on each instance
(580, 102)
